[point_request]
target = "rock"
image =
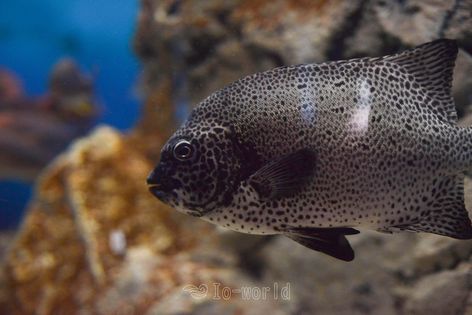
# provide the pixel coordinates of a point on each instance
(444, 293)
(433, 252)
(150, 284)
(231, 61)
(369, 38)
(458, 22)
(43, 124)
(462, 84)
(374, 283)
(82, 197)
(297, 31)
(416, 21)
(203, 45)
(468, 305)
(328, 286)
(173, 37)
(6, 237)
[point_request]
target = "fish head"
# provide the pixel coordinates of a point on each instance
(197, 172)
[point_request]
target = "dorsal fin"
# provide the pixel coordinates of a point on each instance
(432, 65)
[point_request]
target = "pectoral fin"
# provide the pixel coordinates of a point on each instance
(326, 240)
(284, 176)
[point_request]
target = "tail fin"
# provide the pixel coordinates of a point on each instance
(431, 65)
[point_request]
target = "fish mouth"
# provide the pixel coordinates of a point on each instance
(158, 191)
(164, 196)
(164, 189)
(197, 210)
(194, 213)
(160, 185)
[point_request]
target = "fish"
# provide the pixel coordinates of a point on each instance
(317, 152)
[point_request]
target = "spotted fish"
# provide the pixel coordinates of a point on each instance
(314, 151)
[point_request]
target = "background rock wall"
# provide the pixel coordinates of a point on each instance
(96, 242)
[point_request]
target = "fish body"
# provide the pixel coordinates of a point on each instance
(314, 151)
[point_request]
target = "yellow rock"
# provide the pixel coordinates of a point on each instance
(91, 206)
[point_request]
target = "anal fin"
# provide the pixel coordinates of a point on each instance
(330, 241)
(447, 215)
(455, 224)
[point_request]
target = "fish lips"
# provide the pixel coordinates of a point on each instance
(165, 196)
(159, 193)
(160, 184)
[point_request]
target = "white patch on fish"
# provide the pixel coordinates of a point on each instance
(359, 122)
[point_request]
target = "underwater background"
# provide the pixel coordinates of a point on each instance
(35, 34)
(89, 92)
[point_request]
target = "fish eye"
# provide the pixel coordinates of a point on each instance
(183, 150)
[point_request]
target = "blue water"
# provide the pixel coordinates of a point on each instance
(35, 34)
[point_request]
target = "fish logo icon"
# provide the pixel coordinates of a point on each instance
(199, 292)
